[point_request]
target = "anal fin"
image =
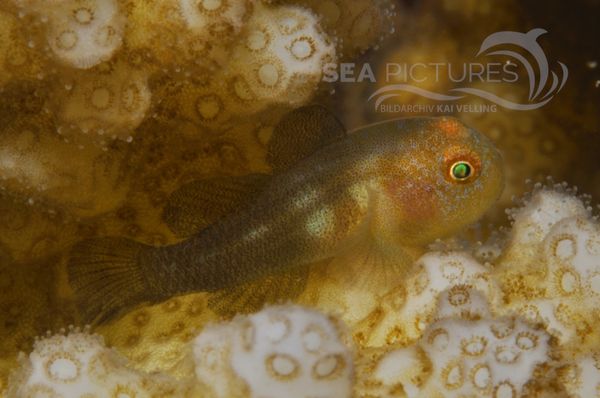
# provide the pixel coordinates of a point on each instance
(252, 296)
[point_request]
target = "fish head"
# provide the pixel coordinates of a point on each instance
(439, 177)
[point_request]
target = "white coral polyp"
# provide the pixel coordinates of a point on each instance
(572, 249)
(570, 253)
(113, 104)
(581, 377)
(281, 57)
(281, 351)
(212, 357)
(433, 273)
(277, 58)
(533, 221)
(212, 18)
(82, 34)
(292, 351)
(469, 351)
(555, 236)
(80, 365)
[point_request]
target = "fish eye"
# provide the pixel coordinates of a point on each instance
(461, 171)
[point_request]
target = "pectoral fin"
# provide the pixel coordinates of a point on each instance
(252, 296)
(300, 133)
(200, 203)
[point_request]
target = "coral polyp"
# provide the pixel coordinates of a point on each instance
(79, 34)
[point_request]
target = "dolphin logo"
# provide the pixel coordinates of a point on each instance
(528, 42)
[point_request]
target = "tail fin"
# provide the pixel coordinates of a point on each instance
(108, 277)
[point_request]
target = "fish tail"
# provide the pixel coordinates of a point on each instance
(108, 276)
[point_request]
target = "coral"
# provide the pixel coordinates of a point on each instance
(542, 285)
(291, 350)
(357, 25)
(532, 222)
(282, 61)
(581, 377)
(457, 328)
(275, 64)
(278, 351)
(111, 102)
(154, 34)
(80, 34)
(17, 59)
(32, 164)
(545, 274)
(406, 311)
(467, 351)
(212, 19)
(26, 307)
(155, 72)
(157, 337)
(79, 364)
(553, 253)
(28, 231)
(211, 62)
(183, 33)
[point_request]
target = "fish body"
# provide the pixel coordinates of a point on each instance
(390, 184)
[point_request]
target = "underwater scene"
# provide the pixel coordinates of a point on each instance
(299, 198)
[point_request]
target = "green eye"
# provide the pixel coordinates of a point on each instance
(461, 171)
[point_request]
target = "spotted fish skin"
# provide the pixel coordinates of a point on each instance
(389, 183)
(302, 216)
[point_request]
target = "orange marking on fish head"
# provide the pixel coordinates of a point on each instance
(451, 127)
(416, 200)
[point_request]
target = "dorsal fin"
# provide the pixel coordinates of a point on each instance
(200, 203)
(300, 133)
